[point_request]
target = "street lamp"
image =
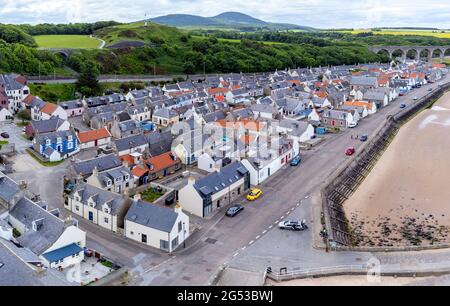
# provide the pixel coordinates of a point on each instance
(184, 235)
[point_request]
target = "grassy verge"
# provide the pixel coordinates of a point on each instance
(67, 41)
(44, 163)
(3, 142)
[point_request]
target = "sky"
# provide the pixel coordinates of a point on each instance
(315, 13)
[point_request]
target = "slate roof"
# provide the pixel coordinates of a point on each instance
(165, 113)
(64, 252)
(100, 197)
(8, 188)
(151, 215)
(47, 126)
(102, 163)
(363, 81)
(53, 136)
(50, 229)
(218, 181)
(130, 142)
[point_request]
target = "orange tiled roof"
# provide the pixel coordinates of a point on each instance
(93, 135)
(220, 98)
(368, 105)
(28, 99)
(247, 124)
(248, 139)
(138, 171)
(127, 158)
(161, 162)
(218, 90)
(49, 108)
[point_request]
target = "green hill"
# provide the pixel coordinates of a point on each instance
(228, 20)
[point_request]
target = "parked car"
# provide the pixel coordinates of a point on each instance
(352, 124)
(4, 135)
(403, 105)
(293, 225)
(364, 138)
(415, 98)
(296, 161)
(401, 94)
(254, 194)
(350, 151)
(234, 210)
(430, 89)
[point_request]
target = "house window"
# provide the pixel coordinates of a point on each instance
(174, 243)
(164, 245)
(106, 220)
(180, 226)
(47, 142)
(70, 145)
(77, 208)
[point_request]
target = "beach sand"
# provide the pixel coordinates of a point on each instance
(405, 200)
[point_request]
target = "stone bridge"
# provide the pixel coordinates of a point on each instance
(413, 52)
(63, 52)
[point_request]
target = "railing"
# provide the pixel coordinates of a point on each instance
(319, 272)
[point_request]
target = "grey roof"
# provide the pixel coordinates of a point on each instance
(46, 126)
(336, 114)
(218, 181)
(99, 196)
(53, 136)
(153, 216)
(363, 81)
(15, 272)
(374, 95)
(129, 125)
(165, 113)
(159, 142)
(49, 230)
(10, 81)
(130, 142)
(112, 174)
(214, 116)
(71, 104)
(102, 163)
(263, 108)
(8, 188)
(293, 124)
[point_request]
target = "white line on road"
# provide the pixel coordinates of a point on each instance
(251, 242)
(257, 237)
(292, 209)
(270, 227)
(265, 231)
(236, 254)
(243, 248)
(157, 266)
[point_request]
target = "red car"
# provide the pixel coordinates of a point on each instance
(350, 151)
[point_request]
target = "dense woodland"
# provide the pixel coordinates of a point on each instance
(171, 51)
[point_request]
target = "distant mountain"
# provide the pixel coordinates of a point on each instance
(230, 18)
(233, 20)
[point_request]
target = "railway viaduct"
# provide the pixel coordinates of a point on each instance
(413, 52)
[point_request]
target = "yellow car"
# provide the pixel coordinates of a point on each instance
(254, 194)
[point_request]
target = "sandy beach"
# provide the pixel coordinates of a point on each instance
(405, 200)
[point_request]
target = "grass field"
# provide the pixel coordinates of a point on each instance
(67, 41)
(434, 33)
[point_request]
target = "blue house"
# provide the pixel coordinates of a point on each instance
(56, 146)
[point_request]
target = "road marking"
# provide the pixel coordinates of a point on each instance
(307, 197)
(270, 227)
(243, 248)
(276, 222)
(257, 237)
(289, 211)
(251, 242)
(157, 266)
(292, 209)
(236, 254)
(265, 231)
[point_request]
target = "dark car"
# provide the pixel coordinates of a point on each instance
(234, 210)
(296, 161)
(403, 105)
(364, 138)
(4, 135)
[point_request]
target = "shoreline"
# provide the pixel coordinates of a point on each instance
(402, 202)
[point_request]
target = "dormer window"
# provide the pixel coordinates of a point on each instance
(108, 183)
(59, 139)
(47, 142)
(69, 138)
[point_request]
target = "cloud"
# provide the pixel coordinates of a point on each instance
(316, 13)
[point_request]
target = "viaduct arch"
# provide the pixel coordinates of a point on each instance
(417, 52)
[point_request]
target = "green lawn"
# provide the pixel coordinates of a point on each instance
(67, 41)
(151, 195)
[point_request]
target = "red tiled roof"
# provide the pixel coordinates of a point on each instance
(28, 99)
(138, 171)
(248, 124)
(218, 90)
(161, 162)
(93, 135)
(49, 108)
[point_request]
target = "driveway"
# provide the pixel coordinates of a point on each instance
(15, 136)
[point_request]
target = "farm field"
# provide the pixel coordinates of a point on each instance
(434, 33)
(67, 41)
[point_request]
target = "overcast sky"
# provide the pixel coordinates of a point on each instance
(315, 13)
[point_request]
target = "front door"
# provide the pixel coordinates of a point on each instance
(91, 216)
(144, 238)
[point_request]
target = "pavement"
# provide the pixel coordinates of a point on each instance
(248, 242)
(15, 136)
